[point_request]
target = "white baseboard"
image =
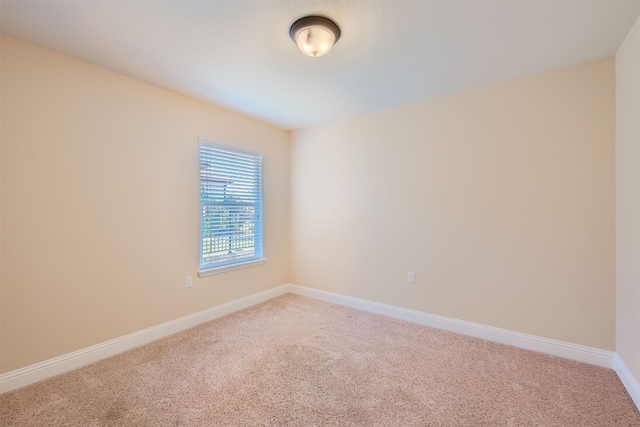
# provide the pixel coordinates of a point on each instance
(627, 378)
(563, 349)
(49, 368)
(580, 353)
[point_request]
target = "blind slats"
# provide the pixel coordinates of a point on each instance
(230, 206)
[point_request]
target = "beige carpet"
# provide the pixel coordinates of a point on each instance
(294, 361)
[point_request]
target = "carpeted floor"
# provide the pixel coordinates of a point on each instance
(295, 361)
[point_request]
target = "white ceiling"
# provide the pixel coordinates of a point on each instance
(238, 53)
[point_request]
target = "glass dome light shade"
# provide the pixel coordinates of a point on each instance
(314, 35)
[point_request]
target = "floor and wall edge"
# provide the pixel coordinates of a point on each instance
(58, 365)
(580, 353)
(627, 378)
(67, 362)
(563, 349)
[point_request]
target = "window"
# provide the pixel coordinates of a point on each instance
(230, 208)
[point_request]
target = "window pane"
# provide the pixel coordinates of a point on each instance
(230, 206)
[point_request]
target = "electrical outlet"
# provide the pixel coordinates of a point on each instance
(188, 282)
(411, 278)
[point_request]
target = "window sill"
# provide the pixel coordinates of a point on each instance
(231, 267)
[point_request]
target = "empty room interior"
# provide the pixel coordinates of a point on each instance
(440, 185)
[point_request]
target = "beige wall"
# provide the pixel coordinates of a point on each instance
(628, 200)
(100, 204)
(500, 199)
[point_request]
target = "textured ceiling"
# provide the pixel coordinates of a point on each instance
(238, 53)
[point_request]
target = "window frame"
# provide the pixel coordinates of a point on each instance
(208, 269)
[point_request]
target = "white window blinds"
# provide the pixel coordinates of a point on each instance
(230, 206)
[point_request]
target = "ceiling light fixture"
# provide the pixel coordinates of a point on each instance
(314, 35)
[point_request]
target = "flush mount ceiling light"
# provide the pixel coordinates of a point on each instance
(314, 35)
